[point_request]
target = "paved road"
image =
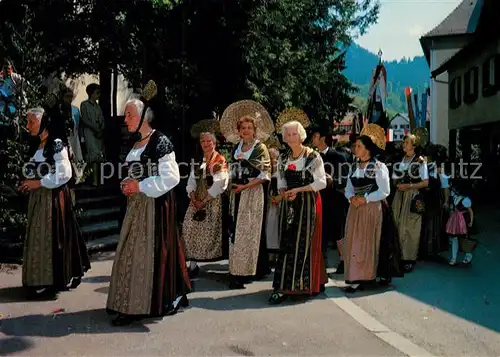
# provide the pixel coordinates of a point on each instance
(445, 311)
(218, 323)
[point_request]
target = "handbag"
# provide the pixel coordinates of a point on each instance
(468, 244)
(200, 215)
(417, 204)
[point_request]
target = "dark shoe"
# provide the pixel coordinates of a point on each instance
(340, 268)
(123, 320)
(234, 285)
(75, 282)
(184, 302)
(384, 282)
(277, 298)
(352, 290)
(194, 273)
(322, 288)
(408, 267)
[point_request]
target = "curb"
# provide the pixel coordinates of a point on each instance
(384, 333)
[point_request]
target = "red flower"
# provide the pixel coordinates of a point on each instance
(292, 167)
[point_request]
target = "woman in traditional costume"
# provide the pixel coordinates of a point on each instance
(300, 269)
(367, 188)
(410, 175)
(273, 204)
(202, 228)
(55, 255)
(149, 276)
(246, 122)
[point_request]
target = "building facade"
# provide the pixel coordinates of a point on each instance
(439, 45)
(400, 125)
(474, 104)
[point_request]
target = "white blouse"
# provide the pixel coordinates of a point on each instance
(62, 173)
(381, 178)
(316, 168)
(169, 176)
(401, 167)
(245, 155)
(221, 180)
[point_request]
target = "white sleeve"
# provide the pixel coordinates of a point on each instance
(191, 184)
(62, 172)
(445, 182)
(349, 189)
(319, 174)
(264, 176)
(383, 183)
(281, 183)
(466, 202)
(169, 177)
(221, 180)
(423, 171)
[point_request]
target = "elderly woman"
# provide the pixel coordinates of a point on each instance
(410, 175)
(55, 254)
(149, 276)
(250, 170)
(202, 227)
(300, 269)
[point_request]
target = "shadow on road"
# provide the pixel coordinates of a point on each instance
(64, 324)
(15, 294)
(255, 300)
(12, 345)
(97, 279)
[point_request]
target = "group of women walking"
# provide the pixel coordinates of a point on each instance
(263, 197)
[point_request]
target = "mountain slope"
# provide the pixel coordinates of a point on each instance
(400, 74)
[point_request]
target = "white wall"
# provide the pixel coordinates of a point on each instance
(399, 124)
(441, 51)
(79, 84)
(484, 109)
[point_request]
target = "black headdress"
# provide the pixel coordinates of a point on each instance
(148, 93)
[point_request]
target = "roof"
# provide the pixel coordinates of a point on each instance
(404, 116)
(461, 21)
(487, 32)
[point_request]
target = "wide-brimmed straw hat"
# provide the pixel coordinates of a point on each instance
(292, 114)
(376, 133)
(205, 126)
(236, 111)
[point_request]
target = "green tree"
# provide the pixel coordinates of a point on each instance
(293, 49)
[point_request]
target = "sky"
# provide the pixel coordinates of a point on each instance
(400, 25)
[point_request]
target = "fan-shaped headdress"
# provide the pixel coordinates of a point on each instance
(236, 111)
(375, 133)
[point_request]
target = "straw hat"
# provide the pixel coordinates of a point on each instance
(292, 114)
(233, 113)
(273, 142)
(376, 133)
(422, 136)
(205, 126)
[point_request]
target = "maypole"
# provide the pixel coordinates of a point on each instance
(377, 95)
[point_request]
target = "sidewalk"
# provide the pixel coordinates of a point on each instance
(452, 311)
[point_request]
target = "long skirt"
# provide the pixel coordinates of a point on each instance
(300, 268)
(432, 237)
(203, 239)
(272, 227)
(247, 232)
(149, 272)
(409, 224)
(361, 244)
(54, 249)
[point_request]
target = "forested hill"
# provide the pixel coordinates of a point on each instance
(400, 74)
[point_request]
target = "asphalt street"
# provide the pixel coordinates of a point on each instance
(436, 310)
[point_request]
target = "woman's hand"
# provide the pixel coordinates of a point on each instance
(292, 194)
(30, 185)
(403, 187)
(129, 187)
(238, 188)
(357, 201)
